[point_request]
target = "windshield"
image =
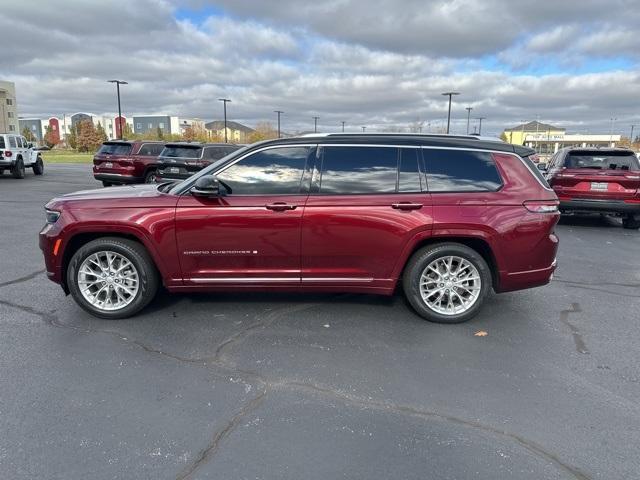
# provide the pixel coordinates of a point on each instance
(115, 149)
(205, 171)
(181, 152)
(602, 160)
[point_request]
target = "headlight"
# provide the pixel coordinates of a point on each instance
(51, 215)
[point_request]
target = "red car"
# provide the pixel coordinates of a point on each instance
(603, 180)
(120, 162)
(448, 218)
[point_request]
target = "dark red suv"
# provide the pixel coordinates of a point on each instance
(120, 162)
(603, 180)
(448, 218)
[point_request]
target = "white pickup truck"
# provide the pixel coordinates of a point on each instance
(16, 154)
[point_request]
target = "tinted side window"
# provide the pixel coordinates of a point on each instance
(408, 171)
(460, 171)
(215, 153)
(347, 170)
(2, 142)
(12, 142)
(150, 149)
(277, 171)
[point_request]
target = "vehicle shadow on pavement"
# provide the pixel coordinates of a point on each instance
(596, 221)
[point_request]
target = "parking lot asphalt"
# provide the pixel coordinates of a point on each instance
(292, 386)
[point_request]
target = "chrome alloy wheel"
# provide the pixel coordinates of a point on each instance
(450, 285)
(108, 280)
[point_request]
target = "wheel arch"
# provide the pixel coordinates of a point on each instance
(79, 239)
(476, 242)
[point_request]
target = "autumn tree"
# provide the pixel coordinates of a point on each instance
(72, 137)
(263, 131)
(159, 134)
(88, 136)
(50, 139)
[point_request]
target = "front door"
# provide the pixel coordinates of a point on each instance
(250, 235)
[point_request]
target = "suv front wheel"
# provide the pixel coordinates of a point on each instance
(446, 282)
(112, 277)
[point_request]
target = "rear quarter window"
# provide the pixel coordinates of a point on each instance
(181, 152)
(115, 149)
(460, 171)
(2, 144)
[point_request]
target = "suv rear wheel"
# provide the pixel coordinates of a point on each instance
(112, 277)
(446, 282)
(18, 169)
(631, 222)
(151, 176)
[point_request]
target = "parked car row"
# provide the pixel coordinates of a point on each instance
(120, 162)
(445, 218)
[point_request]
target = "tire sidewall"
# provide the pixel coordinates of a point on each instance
(422, 258)
(18, 169)
(142, 263)
(38, 168)
(149, 174)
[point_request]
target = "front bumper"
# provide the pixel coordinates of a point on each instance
(576, 205)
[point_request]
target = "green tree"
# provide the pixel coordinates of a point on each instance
(159, 133)
(503, 137)
(26, 133)
(72, 137)
(101, 134)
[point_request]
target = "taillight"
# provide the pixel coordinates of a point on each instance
(8, 153)
(541, 206)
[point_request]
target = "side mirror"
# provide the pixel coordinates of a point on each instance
(206, 186)
(29, 145)
(543, 167)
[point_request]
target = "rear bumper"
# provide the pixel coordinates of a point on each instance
(528, 279)
(7, 162)
(117, 178)
(600, 206)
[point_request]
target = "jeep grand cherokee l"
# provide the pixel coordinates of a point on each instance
(603, 180)
(447, 218)
(120, 162)
(181, 160)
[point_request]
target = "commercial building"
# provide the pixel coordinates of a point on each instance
(236, 132)
(34, 126)
(8, 108)
(548, 139)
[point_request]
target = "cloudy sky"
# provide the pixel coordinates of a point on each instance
(378, 63)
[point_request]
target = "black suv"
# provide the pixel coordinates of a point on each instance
(179, 161)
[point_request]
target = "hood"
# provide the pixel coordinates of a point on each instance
(130, 196)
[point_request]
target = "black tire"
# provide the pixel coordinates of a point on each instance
(38, 167)
(106, 184)
(18, 169)
(631, 222)
(132, 251)
(151, 176)
(419, 262)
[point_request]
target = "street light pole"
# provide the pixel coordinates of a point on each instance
(315, 124)
(364, 129)
(224, 102)
(118, 83)
(278, 112)
(468, 109)
(631, 136)
(450, 94)
(343, 122)
(480, 126)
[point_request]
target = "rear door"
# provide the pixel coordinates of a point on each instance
(598, 175)
(251, 234)
(366, 203)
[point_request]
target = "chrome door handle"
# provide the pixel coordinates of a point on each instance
(406, 206)
(280, 207)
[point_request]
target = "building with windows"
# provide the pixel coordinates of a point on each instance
(547, 139)
(151, 123)
(236, 132)
(8, 108)
(35, 126)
